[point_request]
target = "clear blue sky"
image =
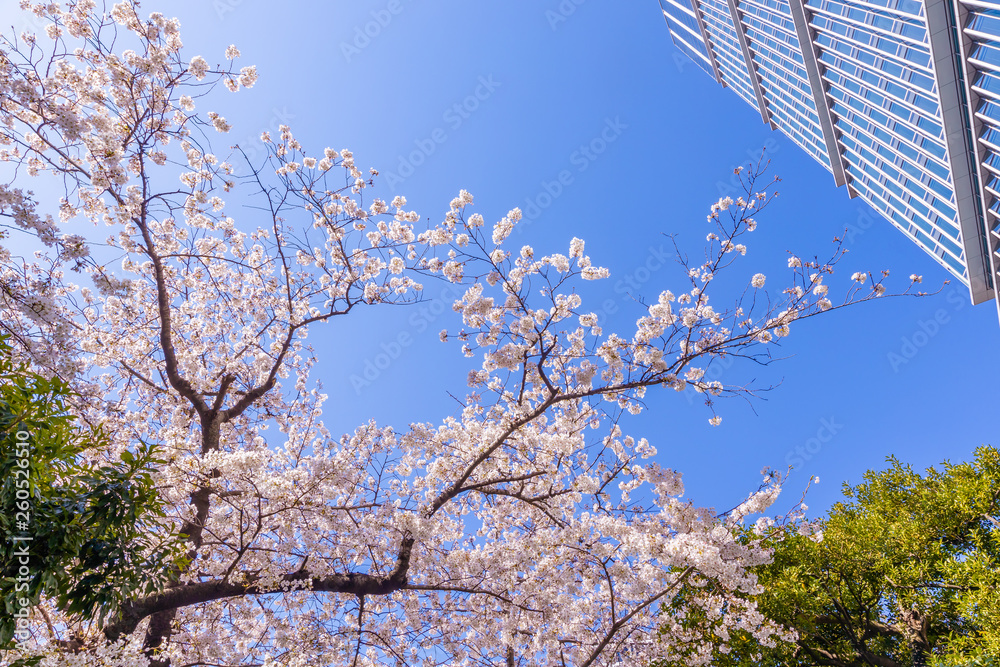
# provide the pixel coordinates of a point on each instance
(533, 88)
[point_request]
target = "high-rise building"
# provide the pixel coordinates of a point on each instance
(898, 99)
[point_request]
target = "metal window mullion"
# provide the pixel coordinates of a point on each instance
(777, 57)
(983, 66)
(906, 189)
(850, 41)
(993, 171)
(909, 214)
(794, 112)
(951, 73)
(866, 86)
(993, 123)
(981, 4)
(755, 81)
(982, 92)
(868, 6)
(823, 112)
(913, 195)
(694, 49)
(989, 144)
(879, 32)
(765, 21)
(979, 34)
(692, 35)
(709, 46)
(932, 251)
(910, 107)
(927, 156)
(737, 83)
(778, 63)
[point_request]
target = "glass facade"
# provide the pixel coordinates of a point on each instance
(686, 31)
(877, 64)
(728, 52)
(980, 41)
(912, 129)
(778, 59)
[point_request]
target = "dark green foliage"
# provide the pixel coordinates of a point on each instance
(907, 572)
(85, 536)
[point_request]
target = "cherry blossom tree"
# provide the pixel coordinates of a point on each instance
(526, 528)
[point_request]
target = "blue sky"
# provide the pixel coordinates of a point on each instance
(499, 99)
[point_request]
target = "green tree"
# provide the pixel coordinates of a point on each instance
(83, 535)
(904, 571)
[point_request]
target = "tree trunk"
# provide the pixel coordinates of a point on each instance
(915, 625)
